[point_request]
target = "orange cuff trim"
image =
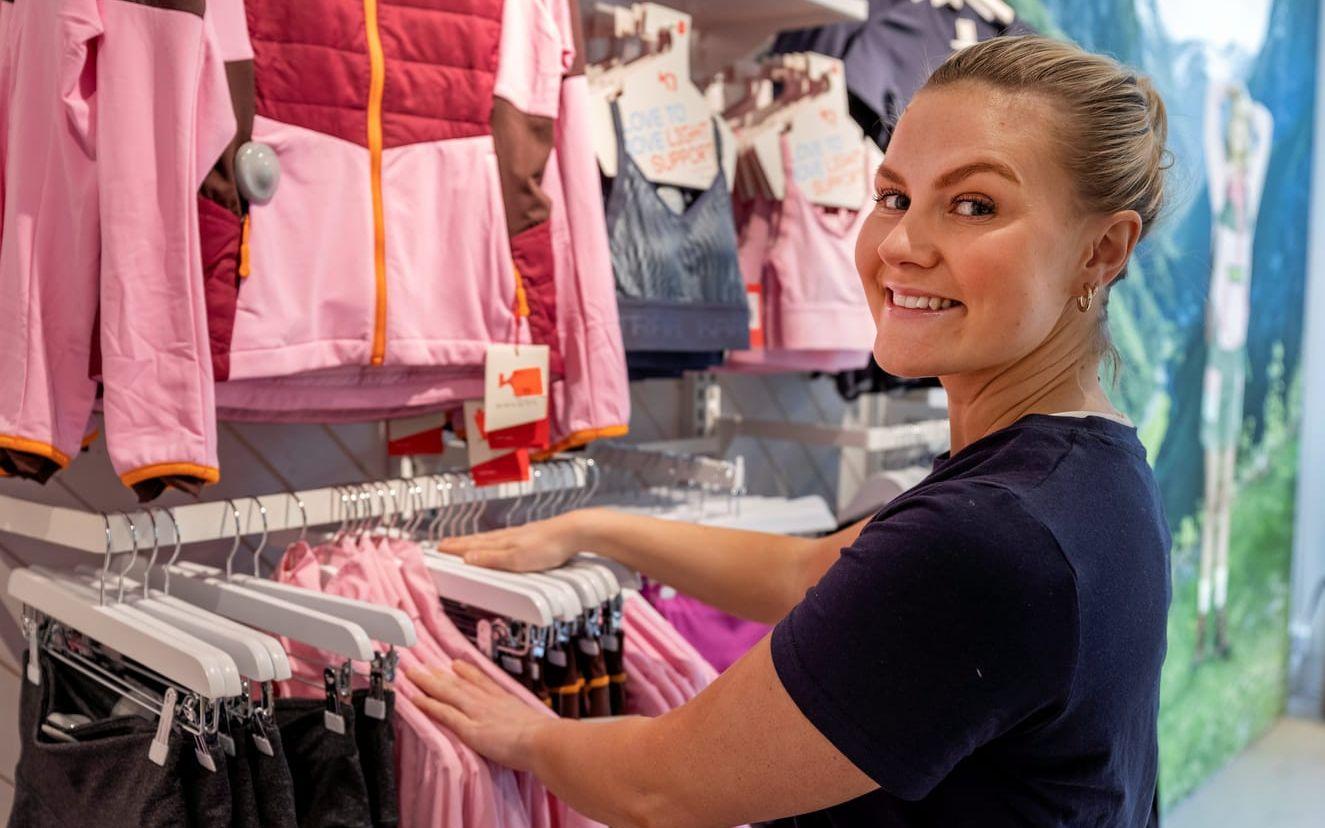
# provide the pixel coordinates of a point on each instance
(569, 689)
(206, 474)
(601, 681)
(91, 438)
(619, 678)
(36, 447)
(583, 437)
(243, 249)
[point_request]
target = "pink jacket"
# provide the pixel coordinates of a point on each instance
(120, 110)
(530, 259)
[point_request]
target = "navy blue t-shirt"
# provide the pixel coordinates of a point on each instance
(988, 651)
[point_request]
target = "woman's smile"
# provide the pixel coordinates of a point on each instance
(912, 303)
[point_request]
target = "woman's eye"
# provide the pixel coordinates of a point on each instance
(892, 200)
(974, 207)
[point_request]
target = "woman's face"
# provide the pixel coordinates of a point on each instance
(975, 250)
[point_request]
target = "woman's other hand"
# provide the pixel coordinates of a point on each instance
(533, 547)
(492, 721)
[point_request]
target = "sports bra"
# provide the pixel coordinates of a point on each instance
(679, 285)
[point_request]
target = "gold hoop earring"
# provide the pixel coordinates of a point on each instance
(1084, 302)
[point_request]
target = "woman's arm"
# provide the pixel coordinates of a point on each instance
(754, 575)
(741, 751)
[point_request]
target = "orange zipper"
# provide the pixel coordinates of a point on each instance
(376, 83)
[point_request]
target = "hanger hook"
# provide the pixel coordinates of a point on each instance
(303, 514)
(133, 533)
(239, 533)
(156, 548)
(105, 563)
(444, 505)
(174, 556)
(262, 542)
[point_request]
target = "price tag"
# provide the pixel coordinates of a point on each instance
(487, 465)
(828, 157)
(515, 385)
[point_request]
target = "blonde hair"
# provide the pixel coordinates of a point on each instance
(1113, 132)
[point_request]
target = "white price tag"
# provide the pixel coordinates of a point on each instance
(515, 386)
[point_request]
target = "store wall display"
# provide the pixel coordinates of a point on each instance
(1209, 323)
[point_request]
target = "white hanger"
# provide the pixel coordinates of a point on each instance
(189, 662)
(386, 624)
(488, 591)
(251, 653)
(212, 590)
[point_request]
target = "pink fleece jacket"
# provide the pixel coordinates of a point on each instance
(121, 110)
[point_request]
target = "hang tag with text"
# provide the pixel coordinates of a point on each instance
(515, 386)
(666, 124)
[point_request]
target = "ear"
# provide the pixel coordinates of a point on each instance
(1115, 238)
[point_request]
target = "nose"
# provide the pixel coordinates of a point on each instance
(909, 242)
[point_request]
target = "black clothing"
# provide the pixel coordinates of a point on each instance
(329, 788)
(988, 651)
(376, 740)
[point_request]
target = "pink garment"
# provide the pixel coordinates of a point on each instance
(121, 110)
(669, 642)
(594, 399)
(721, 638)
(798, 258)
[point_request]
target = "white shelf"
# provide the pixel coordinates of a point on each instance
(933, 434)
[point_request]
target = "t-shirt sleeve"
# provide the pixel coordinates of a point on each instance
(950, 621)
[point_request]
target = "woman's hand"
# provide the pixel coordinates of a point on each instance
(533, 547)
(493, 722)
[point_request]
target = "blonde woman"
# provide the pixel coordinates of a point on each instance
(986, 650)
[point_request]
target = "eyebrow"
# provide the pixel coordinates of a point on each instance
(959, 174)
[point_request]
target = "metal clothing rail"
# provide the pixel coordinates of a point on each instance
(213, 520)
(933, 434)
(658, 467)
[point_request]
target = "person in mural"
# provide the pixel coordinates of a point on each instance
(1238, 133)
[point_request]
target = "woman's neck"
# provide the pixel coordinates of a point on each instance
(1050, 380)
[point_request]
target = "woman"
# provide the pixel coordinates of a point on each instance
(986, 650)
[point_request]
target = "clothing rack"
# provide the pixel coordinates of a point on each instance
(657, 467)
(932, 434)
(213, 520)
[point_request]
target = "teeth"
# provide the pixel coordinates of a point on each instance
(922, 302)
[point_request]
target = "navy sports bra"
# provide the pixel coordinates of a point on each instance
(679, 285)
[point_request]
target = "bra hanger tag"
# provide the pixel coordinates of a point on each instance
(666, 123)
(827, 145)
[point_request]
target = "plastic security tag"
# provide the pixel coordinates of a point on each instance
(257, 172)
(161, 741)
(589, 647)
(557, 657)
(227, 743)
(515, 385)
(611, 643)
